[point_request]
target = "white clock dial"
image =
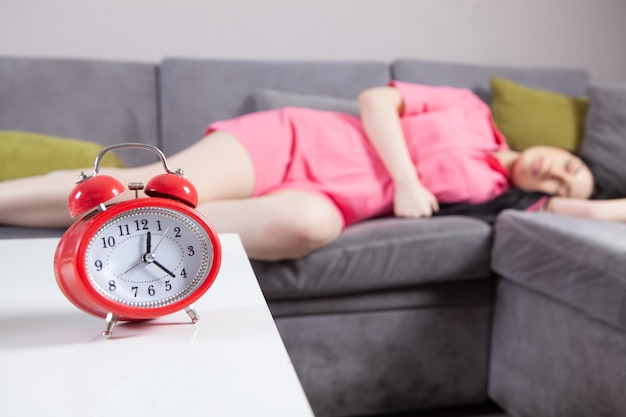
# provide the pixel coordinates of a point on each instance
(149, 257)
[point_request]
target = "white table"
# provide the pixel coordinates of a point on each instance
(55, 362)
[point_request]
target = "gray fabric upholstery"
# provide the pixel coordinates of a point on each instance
(384, 254)
(549, 359)
(461, 293)
(345, 310)
(476, 77)
(373, 362)
(198, 92)
(273, 99)
(577, 262)
(99, 101)
(604, 142)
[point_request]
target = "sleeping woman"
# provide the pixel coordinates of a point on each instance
(288, 181)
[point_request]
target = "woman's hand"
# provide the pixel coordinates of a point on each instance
(413, 200)
(380, 112)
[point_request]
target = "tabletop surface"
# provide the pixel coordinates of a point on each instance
(55, 362)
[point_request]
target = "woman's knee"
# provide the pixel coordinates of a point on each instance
(314, 230)
(309, 224)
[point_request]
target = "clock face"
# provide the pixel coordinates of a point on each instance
(148, 257)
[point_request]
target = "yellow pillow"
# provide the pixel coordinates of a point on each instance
(528, 116)
(24, 154)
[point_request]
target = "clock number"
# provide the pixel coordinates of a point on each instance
(124, 230)
(151, 290)
(141, 225)
(183, 273)
(108, 242)
(159, 225)
(112, 286)
(177, 230)
(168, 286)
(191, 251)
(98, 265)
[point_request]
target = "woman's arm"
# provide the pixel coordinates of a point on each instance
(380, 109)
(611, 210)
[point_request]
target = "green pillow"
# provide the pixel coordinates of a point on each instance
(528, 116)
(23, 154)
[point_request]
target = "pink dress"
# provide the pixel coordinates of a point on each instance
(449, 132)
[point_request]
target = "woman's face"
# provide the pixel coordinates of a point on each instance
(553, 171)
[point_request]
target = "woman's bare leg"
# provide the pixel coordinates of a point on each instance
(286, 224)
(218, 165)
(39, 201)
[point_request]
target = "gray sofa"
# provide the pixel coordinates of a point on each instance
(395, 315)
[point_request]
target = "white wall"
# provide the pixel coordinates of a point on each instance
(579, 33)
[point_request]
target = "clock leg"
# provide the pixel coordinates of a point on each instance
(191, 311)
(111, 321)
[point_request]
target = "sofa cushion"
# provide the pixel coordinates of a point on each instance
(533, 116)
(99, 101)
(273, 99)
(384, 254)
(604, 143)
(477, 78)
(23, 154)
(196, 92)
(578, 262)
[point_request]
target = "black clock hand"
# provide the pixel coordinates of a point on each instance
(149, 258)
(170, 273)
(148, 242)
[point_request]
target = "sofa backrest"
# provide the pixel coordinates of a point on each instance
(196, 92)
(569, 81)
(169, 105)
(100, 101)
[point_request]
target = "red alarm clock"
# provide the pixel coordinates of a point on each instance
(138, 259)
